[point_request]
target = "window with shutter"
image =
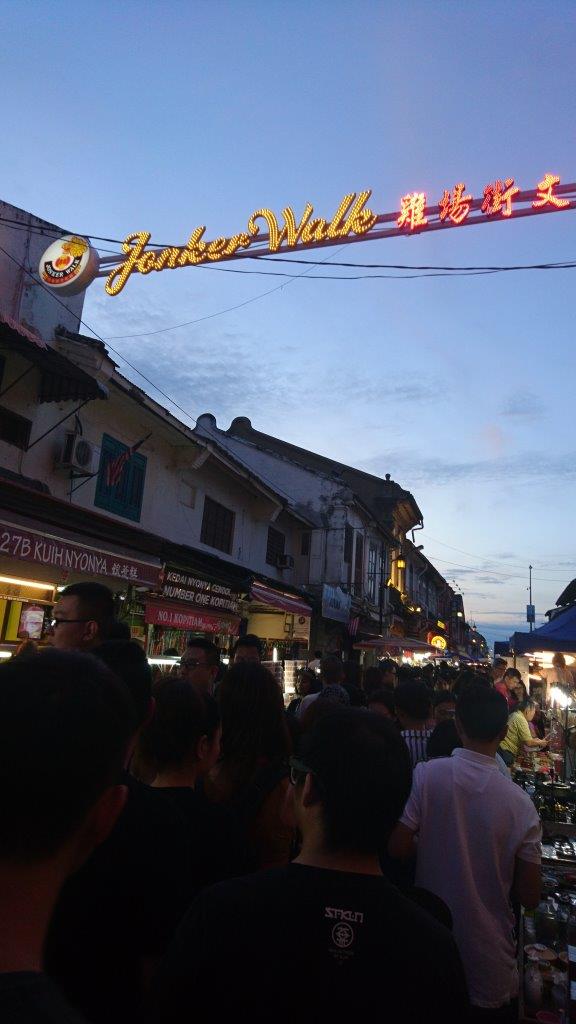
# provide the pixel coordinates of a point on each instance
(217, 526)
(275, 547)
(121, 492)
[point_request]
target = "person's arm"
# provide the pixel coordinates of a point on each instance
(527, 883)
(526, 737)
(527, 865)
(402, 842)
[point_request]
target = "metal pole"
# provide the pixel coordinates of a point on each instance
(530, 589)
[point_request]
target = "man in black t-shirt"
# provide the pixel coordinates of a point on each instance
(117, 914)
(327, 937)
(65, 722)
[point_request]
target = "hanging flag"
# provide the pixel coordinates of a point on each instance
(115, 467)
(353, 626)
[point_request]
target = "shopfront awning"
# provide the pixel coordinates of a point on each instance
(558, 635)
(395, 644)
(61, 380)
(277, 599)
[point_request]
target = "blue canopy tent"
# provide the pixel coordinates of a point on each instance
(557, 635)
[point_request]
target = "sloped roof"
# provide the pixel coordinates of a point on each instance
(381, 496)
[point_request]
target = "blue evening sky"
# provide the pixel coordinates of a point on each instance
(165, 115)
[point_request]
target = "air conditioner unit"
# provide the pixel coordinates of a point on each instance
(79, 455)
(285, 562)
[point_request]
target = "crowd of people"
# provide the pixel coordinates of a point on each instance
(188, 846)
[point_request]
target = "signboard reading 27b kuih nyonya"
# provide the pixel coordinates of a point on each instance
(266, 233)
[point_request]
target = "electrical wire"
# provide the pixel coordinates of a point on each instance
(266, 257)
(476, 569)
(515, 565)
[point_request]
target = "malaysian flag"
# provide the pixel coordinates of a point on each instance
(353, 626)
(115, 467)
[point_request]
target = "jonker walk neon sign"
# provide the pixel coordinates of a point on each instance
(353, 221)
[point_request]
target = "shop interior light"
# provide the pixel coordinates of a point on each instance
(275, 654)
(401, 563)
(164, 661)
(560, 697)
(225, 661)
(545, 658)
(5, 654)
(27, 583)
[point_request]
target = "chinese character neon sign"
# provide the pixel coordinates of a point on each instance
(353, 221)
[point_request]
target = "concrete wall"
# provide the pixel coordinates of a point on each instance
(179, 474)
(22, 299)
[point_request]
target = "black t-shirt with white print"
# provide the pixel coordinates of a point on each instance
(308, 944)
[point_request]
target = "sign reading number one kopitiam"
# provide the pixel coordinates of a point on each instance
(70, 264)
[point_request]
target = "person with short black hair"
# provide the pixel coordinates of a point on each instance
(118, 912)
(382, 702)
(444, 703)
(444, 738)
(330, 908)
(332, 675)
(478, 842)
(413, 711)
(200, 663)
(83, 616)
(389, 672)
(127, 660)
(180, 745)
(247, 648)
(65, 723)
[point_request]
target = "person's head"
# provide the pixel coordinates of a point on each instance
(247, 648)
(200, 663)
(119, 630)
(511, 678)
(382, 702)
(413, 705)
(307, 683)
(253, 719)
(83, 616)
(481, 716)
(351, 762)
(184, 733)
(528, 708)
(498, 668)
(444, 739)
(128, 661)
(65, 724)
(373, 679)
(331, 671)
(444, 705)
(389, 670)
(559, 661)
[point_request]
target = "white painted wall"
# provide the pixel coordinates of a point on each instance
(178, 476)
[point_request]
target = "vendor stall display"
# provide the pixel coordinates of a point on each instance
(545, 949)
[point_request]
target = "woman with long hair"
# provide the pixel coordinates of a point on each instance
(251, 777)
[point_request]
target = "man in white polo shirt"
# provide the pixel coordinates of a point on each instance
(478, 844)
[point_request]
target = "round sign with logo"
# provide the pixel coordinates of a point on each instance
(439, 642)
(69, 265)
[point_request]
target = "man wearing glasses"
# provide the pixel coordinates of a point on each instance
(200, 663)
(82, 617)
